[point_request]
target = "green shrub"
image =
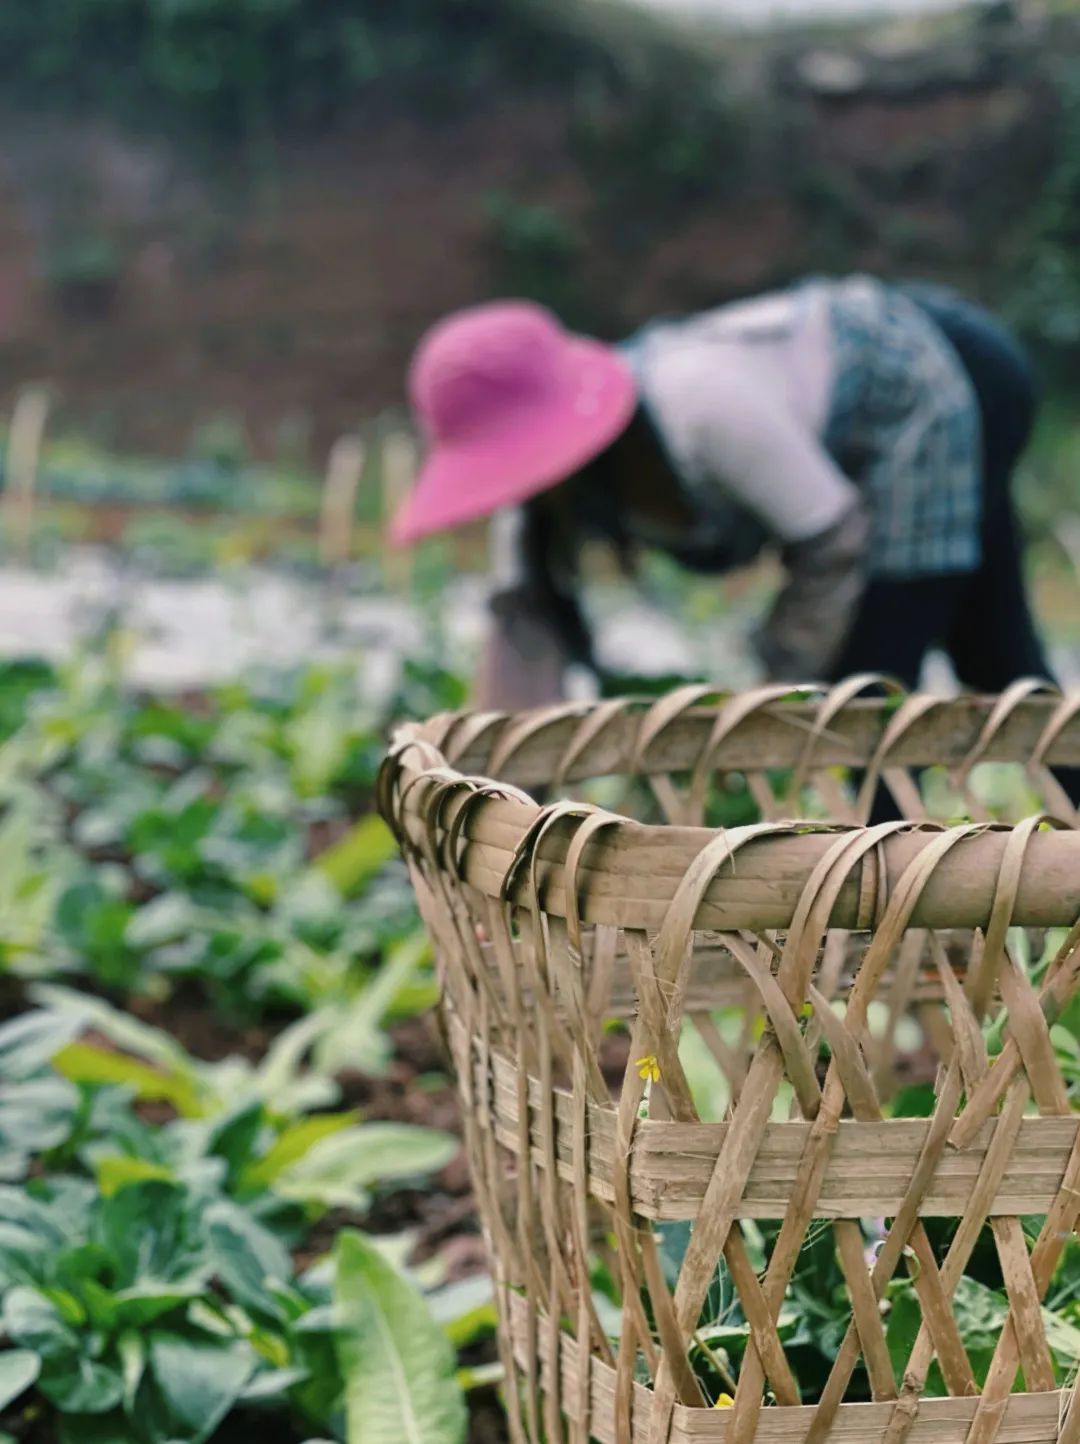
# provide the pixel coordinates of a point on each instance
(249, 67)
(147, 1284)
(1044, 289)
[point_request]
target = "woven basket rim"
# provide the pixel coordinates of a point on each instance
(783, 727)
(494, 834)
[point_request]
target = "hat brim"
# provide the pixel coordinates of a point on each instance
(463, 481)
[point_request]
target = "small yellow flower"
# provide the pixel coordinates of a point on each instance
(648, 1068)
(725, 1401)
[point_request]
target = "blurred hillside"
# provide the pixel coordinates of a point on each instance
(251, 208)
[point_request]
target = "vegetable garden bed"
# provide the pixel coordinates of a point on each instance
(232, 1194)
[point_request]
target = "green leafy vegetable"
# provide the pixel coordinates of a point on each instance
(398, 1367)
(18, 1370)
(354, 861)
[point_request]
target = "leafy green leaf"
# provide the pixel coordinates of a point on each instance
(271, 1384)
(674, 1240)
(233, 1136)
(916, 1100)
(171, 916)
(137, 1306)
(27, 890)
(23, 1255)
(35, 1116)
(41, 1224)
(32, 1216)
(339, 1169)
(465, 1310)
(191, 1382)
(246, 1257)
(121, 1029)
(81, 1385)
(280, 1068)
(54, 1212)
(132, 1351)
(320, 1395)
(1064, 1340)
(319, 740)
(398, 1366)
(28, 1041)
(980, 1314)
(351, 862)
(154, 1233)
(89, 1063)
(708, 1083)
(354, 1036)
(33, 1322)
(117, 1171)
(480, 1376)
(93, 923)
(18, 1370)
(294, 1141)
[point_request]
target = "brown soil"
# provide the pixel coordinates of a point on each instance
(193, 1022)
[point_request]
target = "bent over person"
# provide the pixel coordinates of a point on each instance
(869, 432)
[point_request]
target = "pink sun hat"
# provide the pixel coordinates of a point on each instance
(509, 404)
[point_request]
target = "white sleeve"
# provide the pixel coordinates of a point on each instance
(730, 430)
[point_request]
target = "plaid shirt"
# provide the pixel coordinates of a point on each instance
(898, 418)
(904, 424)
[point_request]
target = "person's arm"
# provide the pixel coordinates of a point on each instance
(537, 629)
(733, 434)
(813, 614)
(522, 664)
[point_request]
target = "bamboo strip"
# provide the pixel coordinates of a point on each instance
(866, 1177)
(775, 737)
(1028, 1418)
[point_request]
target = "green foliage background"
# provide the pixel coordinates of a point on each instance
(228, 64)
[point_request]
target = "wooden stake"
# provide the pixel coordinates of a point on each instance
(398, 470)
(344, 468)
(23, 454)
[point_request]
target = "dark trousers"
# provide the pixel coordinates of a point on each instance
(981, 619)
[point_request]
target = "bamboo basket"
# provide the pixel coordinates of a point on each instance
(579, 951)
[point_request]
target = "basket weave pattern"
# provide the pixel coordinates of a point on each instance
(548, 922)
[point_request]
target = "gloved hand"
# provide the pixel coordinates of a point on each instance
(523, 664)
(811, 618)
